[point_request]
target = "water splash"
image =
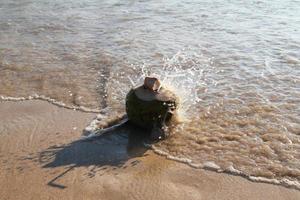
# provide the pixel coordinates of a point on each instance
(183, 73)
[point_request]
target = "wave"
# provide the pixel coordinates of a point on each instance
(50, 100)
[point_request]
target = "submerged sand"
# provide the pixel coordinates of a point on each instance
(41, 158)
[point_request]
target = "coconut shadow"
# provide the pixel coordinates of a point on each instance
(112, 149)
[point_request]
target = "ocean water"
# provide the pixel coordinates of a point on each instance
(235, 65)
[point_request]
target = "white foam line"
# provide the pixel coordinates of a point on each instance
(100, 132)
(230, 170)
(50, 100)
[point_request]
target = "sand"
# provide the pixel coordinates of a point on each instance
(41, 158)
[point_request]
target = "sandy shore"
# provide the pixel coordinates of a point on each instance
(41, 158)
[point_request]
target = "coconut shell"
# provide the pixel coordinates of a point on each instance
(146, 108)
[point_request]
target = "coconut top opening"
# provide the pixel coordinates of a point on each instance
(152, 90)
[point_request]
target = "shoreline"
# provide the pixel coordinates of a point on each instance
(40, 158)
(211, 166)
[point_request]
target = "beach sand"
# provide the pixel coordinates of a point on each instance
(41, 158)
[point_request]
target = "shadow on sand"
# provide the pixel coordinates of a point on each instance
(110, 149)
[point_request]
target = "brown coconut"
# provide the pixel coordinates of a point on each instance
(150, 105)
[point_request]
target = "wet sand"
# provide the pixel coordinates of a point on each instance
(41, 158)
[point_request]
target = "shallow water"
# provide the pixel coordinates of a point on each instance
(235, 64)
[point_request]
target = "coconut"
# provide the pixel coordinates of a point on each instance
(150, 105)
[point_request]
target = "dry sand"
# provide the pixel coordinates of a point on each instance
(40, 158)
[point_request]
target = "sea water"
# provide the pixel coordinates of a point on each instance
(234, 64)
